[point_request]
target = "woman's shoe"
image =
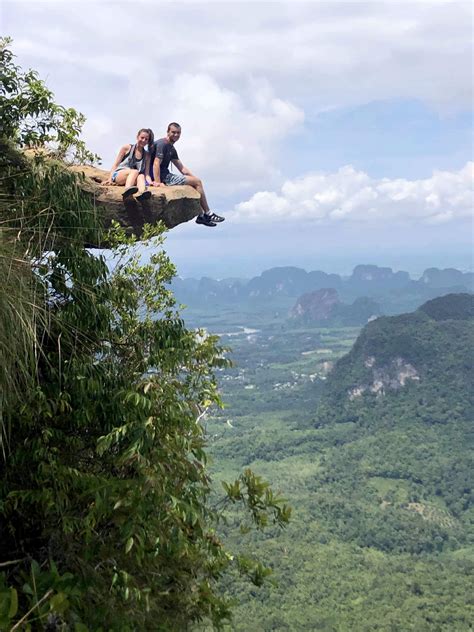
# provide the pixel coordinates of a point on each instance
(128, 192)
(146, 195)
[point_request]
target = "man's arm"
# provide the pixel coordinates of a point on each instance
(184, 170)
(147, 167)
(156, 173)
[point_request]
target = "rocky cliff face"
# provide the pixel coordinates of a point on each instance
(324, 307)
(171, 205)
(392, 376)
(316, 306)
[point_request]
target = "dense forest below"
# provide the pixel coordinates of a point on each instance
(375, 455)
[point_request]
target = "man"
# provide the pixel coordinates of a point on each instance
(164, 152)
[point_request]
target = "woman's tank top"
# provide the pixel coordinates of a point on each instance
(131, 162)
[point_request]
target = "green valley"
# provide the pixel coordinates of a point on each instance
(373, 450)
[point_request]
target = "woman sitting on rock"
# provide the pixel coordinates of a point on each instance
(131, 165)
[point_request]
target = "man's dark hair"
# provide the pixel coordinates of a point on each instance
(173, 125)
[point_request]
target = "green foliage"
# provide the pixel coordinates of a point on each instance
(18, 322)
(42, 208)
(450, 307)
(258, 497)
(30, 116)
(106, 508)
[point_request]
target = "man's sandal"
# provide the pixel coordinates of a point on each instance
(215, 218)
(205, 220)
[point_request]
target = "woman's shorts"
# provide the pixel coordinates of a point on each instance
(114, 175)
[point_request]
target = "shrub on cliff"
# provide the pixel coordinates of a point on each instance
(105, 514)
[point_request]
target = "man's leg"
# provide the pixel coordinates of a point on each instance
(206, 217)
(206, 212)
(196, 183)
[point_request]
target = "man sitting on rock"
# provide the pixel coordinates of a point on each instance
(162, 153)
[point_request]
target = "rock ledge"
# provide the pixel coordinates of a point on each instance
(171, 205)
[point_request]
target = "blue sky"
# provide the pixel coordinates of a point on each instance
(328, 133)
(392, 138)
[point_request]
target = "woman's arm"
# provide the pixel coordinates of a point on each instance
(120, 156)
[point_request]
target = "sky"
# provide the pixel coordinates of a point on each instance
(329, 134)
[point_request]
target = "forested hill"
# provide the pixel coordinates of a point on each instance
(403, 399)
(417, 365)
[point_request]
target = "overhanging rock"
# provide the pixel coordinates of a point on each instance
(171, 205)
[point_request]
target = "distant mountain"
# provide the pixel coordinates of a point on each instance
(324, 307)
(449, 277)
(450, 307)
(289, 281)
(316, 307)
(381, 480)
(372, 277)
(197, 292)
(395, 292)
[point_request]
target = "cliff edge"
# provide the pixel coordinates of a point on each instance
(171, 205)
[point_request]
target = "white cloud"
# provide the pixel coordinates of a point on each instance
(228, 138)
(349, 194)
(239, 77)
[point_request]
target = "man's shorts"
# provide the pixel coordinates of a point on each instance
(174, 179)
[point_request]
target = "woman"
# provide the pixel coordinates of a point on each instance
(131, 165)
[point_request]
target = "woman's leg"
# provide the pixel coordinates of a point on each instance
(127, 177)
(141, 184)
(143, 194)
(131, 178)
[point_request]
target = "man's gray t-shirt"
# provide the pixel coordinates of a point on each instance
(165, 151)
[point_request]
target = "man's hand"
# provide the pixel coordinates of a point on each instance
(157, 184)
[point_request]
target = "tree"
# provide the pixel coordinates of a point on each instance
(105, 498)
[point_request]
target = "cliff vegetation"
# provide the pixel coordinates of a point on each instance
(106, 517)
